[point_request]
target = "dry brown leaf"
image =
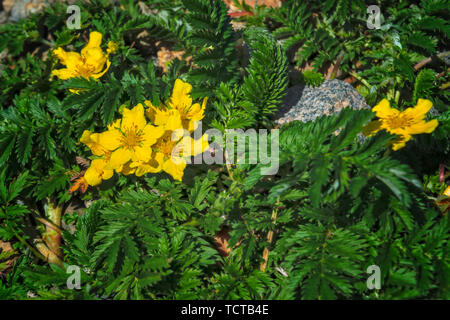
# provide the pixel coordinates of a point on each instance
(82, 161)
(165, 56)
(6, 247)
(221, 241)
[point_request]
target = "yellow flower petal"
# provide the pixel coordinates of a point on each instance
(150, 134)
(447, 192)
(126, 169)
(86, 137)
(180, 98)
(64, 73)
(423, 127)
(98, 75)
(69, 59)
(95, 40)
(134, 118)
(398, 131)
(173, 121)
(176, 170)
(76, 91)
(423, 106)
(92, 177)
(400, 142)
(107, 174)
(95, 57)
(154, 165)
(156, 115)
(97, 172)
(384, 110)
(119, 158)
(115, 125)
(110, 139)
(200, 145)
(141, 154)
(190, 147)
(92, 141)
(196, 112)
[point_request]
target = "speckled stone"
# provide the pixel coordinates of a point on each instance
(23, 8)
(306, 103)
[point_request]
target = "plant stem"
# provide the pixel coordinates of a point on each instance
(363, 81)
(50, 248)
(270, 237)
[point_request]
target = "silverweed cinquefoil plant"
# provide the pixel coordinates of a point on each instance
(404, 124)
(132, 145)
(91, 62)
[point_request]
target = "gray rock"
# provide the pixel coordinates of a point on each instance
(306, 103)
(23, 8)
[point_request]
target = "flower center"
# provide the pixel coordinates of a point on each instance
(165, 145)
(85, 70)
(399, 121)
(131, 138)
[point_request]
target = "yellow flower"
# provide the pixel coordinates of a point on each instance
(92, 141)
(447, 192)
(90, 63)
(130, 139)
(178, 119)
(112, 47)
(98, 171)
(132, 146)
(181, 102)
(169, 156)
(170, 150)
(126, 169)
(404, 124)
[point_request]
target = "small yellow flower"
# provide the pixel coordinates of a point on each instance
(181, 102)
(404, 124)
(447, 192)
(90, 63)
(130, 139)
(169, 152)
(112, 47)
(91, 140)
(98, 171)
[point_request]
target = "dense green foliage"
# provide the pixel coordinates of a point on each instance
(338, 204)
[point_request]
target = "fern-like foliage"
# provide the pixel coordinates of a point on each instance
(212, 40)
(139, 253)
(262, 90)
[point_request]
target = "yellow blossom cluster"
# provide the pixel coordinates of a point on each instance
(91, 62)
(404, 124)
(133, 145)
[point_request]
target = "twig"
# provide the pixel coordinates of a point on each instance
(333, 70)
(428, 60)
(270, 237)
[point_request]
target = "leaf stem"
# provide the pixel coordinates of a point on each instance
(270, 237)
